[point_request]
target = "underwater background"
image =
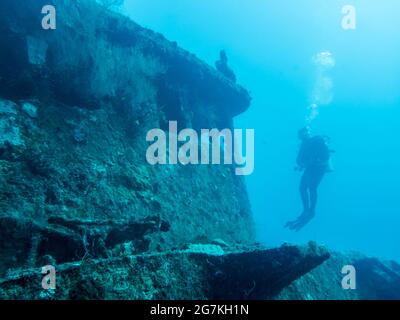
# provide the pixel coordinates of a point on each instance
(80, 93)
(272, 47)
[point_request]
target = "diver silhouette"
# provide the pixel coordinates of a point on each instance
(314, 160)
(222, 66)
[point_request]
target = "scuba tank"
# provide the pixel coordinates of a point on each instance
(329, 163)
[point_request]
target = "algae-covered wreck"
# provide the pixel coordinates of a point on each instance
(73, 166)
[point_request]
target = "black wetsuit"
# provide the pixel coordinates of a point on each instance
(313, 158)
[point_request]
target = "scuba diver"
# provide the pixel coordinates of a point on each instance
(314, 160)
(222, 66)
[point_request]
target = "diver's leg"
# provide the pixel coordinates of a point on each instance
(304, 191)
(314, 177)
(305, 198)
(315, 182)
(313, 200)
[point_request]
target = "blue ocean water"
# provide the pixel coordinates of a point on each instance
(271, 45)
